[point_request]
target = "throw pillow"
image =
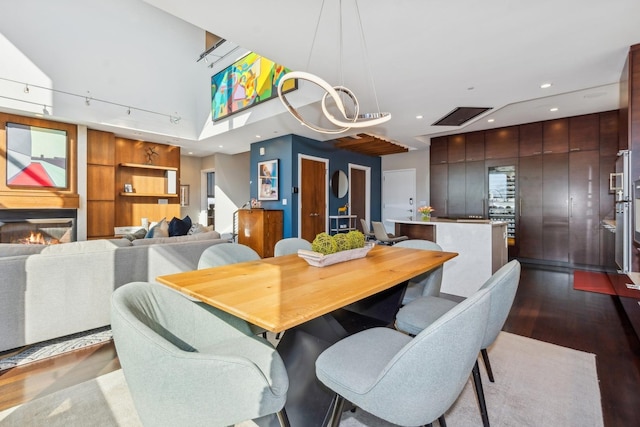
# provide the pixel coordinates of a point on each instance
(161, 229)
(140, 234)
(179, 227)
(197, 228)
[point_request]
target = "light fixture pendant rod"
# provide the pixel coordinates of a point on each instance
(366, 57)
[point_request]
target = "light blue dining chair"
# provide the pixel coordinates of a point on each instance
(404, 380)
(426, 284)
(502, 286)
(290, 245)
(187, 363)
(225, 254)
(229, 253)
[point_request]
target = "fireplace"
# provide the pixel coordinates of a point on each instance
(37, 226)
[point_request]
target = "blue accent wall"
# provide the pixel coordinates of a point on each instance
(287, 149)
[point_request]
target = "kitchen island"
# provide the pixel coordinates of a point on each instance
(481, 246)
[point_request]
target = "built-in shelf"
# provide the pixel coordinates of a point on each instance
(142, 166)
(122, 193)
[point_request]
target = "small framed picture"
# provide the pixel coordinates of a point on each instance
(128, 188)
(268, 180)
(184, 195)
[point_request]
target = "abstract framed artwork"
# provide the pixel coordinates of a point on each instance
(268, 180)
(36, 157)
(249, 81)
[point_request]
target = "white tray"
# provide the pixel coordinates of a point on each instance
(317, 259)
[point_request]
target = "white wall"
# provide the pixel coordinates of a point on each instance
(232, 187)
(190, 168)
(418, 160)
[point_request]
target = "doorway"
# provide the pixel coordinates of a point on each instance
(359, 193)
(314, 193)
(398, 196)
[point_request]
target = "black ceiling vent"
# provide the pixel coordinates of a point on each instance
(460, 115)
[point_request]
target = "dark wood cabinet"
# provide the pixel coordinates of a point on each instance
(439, 176)
(529, 208)
(456, 189)
(501, 143)
(438, 151)
(531, 139)
(555, 209)
(608, 133)
(260, 229)
(475, 188)
(562, 189)
(555, 136)
(584, 207)
(474, 146)
(456, 148)
(584, 132)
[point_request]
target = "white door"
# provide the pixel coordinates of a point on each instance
(398, 196)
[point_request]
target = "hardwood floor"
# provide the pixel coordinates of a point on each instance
(546, 308)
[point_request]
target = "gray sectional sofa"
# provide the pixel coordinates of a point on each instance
(52, 291)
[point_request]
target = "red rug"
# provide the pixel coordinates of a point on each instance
(592, 281)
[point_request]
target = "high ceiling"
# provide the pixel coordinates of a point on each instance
(425, 58)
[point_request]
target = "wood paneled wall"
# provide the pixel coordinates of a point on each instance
(24, 198)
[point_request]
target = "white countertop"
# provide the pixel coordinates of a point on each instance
(436, 221)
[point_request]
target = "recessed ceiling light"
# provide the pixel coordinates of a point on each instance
(553, 109)
(419, 116)
(545, 85)
(257, 136)
(190, 152)
(219, 146)
(491, 120)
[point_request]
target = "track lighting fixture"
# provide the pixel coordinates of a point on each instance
(26, 87)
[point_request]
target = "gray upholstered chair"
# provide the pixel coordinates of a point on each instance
(427, 284)
(403, 380)
(290, 245)
(187, 363)
(226, 253)
(384, 237)
(502, 286)
(366, 230)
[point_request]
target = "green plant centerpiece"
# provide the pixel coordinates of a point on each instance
(326, 244)
(327, 250)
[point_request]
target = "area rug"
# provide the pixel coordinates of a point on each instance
(56, 347)
(537, 384)
(592, 281)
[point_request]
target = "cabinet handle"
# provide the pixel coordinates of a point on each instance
(520, 207)
(571, 207)
(446, 206)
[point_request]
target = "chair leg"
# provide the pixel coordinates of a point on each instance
(477, 382)
(487, 364)
(441, 421)
(282, 418)
(336, 411)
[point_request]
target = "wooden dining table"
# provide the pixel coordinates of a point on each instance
(316, 306)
